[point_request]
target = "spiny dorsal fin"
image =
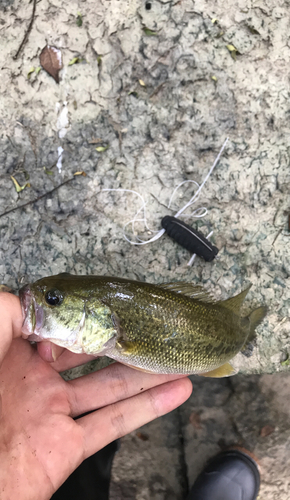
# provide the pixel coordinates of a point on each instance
(234, 303)
(192, 291)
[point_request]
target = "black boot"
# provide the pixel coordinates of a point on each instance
(231, 475)
(91, 480)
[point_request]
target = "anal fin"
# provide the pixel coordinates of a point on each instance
(225, 370)
(137, 368)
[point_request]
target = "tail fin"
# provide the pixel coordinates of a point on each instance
(256, 317)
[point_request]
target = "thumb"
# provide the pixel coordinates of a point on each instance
(11, 321)
(49, 352)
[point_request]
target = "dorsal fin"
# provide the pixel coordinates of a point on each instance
(192, 291)
(234, 303)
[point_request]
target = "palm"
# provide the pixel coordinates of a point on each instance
(37, 427)
(51, 441)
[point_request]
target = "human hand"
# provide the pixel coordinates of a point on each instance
(40, 442)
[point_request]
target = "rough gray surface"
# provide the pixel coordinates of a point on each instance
(247, 411)
(159, 134)
(150, 463)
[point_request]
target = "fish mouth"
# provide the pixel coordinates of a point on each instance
(33, 314)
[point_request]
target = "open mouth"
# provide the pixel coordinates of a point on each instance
(32, 313)
(25, 299)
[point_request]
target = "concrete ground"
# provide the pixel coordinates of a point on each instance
(148, 92)
(161, 460)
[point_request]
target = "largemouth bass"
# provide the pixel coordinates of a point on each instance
(169, 328)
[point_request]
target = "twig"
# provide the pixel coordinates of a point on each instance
(38, 198)
(278, 234)
(27, 31)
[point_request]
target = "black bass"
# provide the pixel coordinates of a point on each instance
(170, 328)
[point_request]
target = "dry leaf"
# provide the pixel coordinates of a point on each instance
(50, 60)
(233, 51)
(4, 288)
(142, 83)
(266, 430)
(17, 186)
(194, 419)
(81, 173)
(142, 436)
(95, 140)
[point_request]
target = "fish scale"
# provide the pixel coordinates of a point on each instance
(170, 328)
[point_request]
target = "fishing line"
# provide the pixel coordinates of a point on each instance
(198, 212)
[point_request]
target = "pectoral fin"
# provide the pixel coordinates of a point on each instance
(225, 370)
(125, 347)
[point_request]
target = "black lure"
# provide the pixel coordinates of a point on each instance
(188, 238)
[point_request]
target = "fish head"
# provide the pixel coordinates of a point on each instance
(56, 311)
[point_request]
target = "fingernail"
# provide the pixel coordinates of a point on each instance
(54, 352)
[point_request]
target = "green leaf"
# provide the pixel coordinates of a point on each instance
(48, 172)
(79, 20)
(286, 362)
(99, 59)
(101, 149)
(26, 175)
(149, 32)
(38, 70)
(81, 173)
(74, 60)
(31, 70)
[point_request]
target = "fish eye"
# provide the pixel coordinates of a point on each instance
(54, 297)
